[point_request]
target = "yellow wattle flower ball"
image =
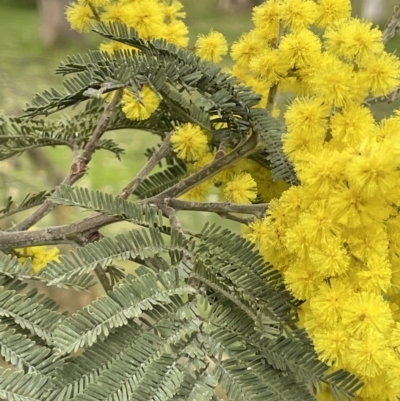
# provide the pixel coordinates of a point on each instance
(40, 256)
(190, 142)
(140, 108)
(79, 17)
(211, 47)
(241, 188)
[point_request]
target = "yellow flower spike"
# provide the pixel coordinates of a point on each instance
(211, 47)
(240, 189)
(80, 17)
(331, 259)
(377, 276)
(371, 174)
(190, 142)
(142, 108)
(353, 209)
(256, 231)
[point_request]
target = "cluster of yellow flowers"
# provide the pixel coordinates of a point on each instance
(39, 256)
(335, 237)
(239, 183)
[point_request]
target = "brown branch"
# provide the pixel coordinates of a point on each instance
(99, 271)
(242, 150)
(389, 98)
(79, 166)
(257, 210)
(148, 167)
(393, 25)
(79, 231)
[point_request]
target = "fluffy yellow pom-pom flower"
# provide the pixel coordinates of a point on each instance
(40, 256)
(298, 14)
(331, 11)
(365, 312)
(242, 188)
(140, 108)
(189, 142)
(79, 17)
(211, 47)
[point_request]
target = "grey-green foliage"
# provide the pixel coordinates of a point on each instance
(202, 314)
(191, 91)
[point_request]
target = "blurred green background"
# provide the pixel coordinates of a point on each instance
(27, 64)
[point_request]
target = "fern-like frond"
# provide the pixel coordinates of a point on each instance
(136, 359)
(23, 353)
(135, 244)
(271, 132)
(30, 200)
(73, 377)
(10, 267)
(17, 135)
(17, 386)
(198, 388)
(105, 203)
(233, 258)
(244, 376)
(32, 311)
(160, 181)
(127, 301)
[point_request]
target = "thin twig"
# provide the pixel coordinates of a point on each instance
(99, 271)
(273, 90)
(389, 98)
(238, 219)
(79, 166)
(242, 150)
(257, 210)
(227, 294)
(148, 167)
(393, 24)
